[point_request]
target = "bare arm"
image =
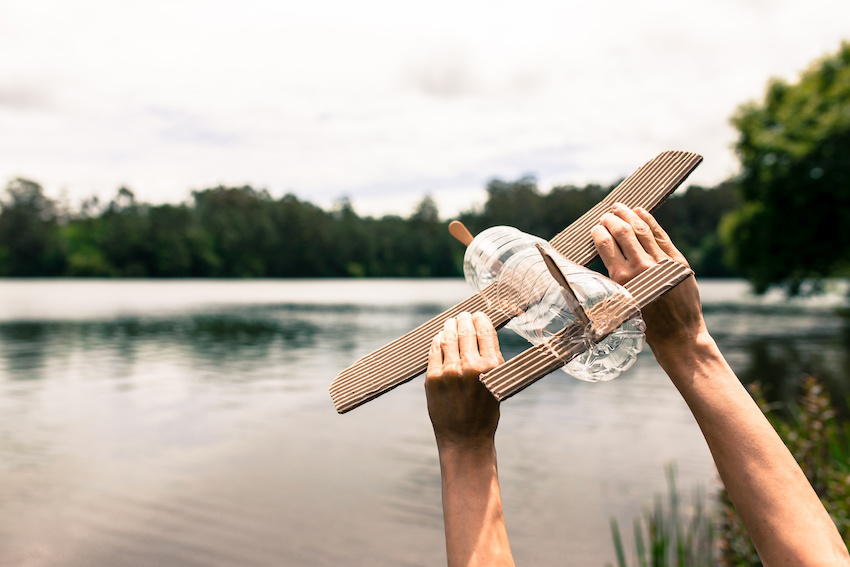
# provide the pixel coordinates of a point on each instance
(465, 416)
(782, 514)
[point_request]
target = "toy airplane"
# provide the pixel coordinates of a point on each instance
(405, 358)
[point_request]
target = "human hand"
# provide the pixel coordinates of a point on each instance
(631, 241)
(463, 412)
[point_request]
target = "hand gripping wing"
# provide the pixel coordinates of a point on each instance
(407, 357)
(533, 364)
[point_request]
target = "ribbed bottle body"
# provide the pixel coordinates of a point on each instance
(526, 290)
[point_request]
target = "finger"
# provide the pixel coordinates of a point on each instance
(488, 339)
(448, 345)
(607, 247)
(466, 338)
(626, 239)
(661, 236)
(435, 357)
(641, 229)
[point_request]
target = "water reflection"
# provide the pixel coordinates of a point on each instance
(781, 365)
(777, 347)
(241, 333)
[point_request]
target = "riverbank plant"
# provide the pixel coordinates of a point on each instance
(669, 534)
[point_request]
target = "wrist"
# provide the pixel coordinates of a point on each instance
(467, 452)
(685, 350)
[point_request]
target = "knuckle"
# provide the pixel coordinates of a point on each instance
(489, 363)
(471, 364)
(487, 333)
(472, 370)
(642, 229)
(622, 274)
(465, 333)
(603, 239)
(452, 370)
(621, 231)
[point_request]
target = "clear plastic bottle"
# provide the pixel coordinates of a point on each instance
(526, 289)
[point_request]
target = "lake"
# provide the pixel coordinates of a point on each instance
(188, 423)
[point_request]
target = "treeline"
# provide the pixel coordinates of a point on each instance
(242, 232)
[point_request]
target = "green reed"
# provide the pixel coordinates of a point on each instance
(668, 534)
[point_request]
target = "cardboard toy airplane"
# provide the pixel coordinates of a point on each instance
(405, 358)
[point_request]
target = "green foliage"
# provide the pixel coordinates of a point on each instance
(819, 439)
(692, 218)
(243, 232)
(29, 244)
(794, 149)
(668, 535)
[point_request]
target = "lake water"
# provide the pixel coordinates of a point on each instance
(188, 423)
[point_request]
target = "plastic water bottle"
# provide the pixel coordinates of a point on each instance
(526, 289)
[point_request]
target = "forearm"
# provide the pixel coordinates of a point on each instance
(472, 507)
(783, 515)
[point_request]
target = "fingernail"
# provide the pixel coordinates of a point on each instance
(464, 314)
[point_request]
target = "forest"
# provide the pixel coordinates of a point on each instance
(242, 232)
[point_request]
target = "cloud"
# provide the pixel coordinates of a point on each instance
(23, 98)
(380, 100)
(447, 74)
(187, 128)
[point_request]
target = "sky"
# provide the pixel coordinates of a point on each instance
(383, 102)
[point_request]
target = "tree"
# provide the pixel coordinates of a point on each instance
(239, 222)
(29, 244)
(691, 219)
(514, 203)
(794, 223)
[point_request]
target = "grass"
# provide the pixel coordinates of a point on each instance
(667, 534)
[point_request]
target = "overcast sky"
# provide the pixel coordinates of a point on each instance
(383, 101)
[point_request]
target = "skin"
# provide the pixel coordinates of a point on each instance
(782, 514)
(465, 415)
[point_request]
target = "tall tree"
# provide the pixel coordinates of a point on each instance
(794, 147)
(29, 244)
(239, 222)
